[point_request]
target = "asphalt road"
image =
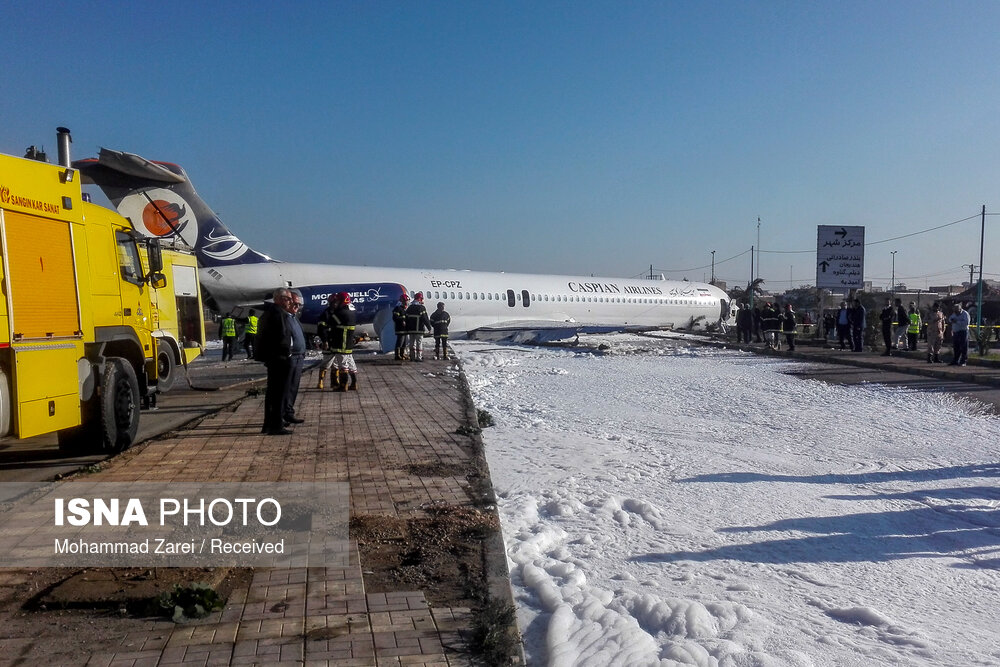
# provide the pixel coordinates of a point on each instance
(841, 374)
(208, 386)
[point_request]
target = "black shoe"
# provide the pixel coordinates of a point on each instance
(294, 420)
(278, 431)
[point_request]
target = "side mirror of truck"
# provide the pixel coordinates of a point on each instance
(157, 280)
(155, 257)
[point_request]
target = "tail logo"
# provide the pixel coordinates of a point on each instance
(160, 213)
(223, 247)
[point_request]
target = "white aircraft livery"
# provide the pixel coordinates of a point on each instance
(162, 203)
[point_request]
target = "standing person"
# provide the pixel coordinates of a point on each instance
(250, 333)
(913, 328)
(341, 335)
(739, 322)
(935, 333)
(959, 321)
(323, 331)
(298, 360)
(417, 323)
(788, 326)
(227, 331)
(770, 322)
(279, 339)
(858, 317)
(399, 321)
(888, 318)
(829, 325)
(744, 323)
(756, 324)
(844, 325)
(902, 323)
(440, 319)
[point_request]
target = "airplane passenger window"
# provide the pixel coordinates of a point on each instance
(467, 295)
(482, 296)
(475, 297)
(459, 296)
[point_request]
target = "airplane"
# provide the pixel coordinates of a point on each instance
(161, 202)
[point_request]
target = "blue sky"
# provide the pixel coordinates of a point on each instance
(557, 137)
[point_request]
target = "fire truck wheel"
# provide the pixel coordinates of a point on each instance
(165, 366)
(119, 405)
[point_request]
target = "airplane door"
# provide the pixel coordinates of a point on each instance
(510, 298)
(525, 298)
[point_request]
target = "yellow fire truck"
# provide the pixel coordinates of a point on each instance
(78, 350)
(178, 315)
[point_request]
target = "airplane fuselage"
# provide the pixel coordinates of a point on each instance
(478, 299)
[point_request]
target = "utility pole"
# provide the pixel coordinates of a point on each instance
(751, 277)
(892, 285)
(712, 282)
(979, 291)
(972, 270)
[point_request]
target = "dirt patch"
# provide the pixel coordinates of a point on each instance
(436, 469)
(133, 589)
(441, 554)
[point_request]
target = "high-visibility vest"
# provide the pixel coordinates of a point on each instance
(914, 327)
(228, 327)
(252, 324)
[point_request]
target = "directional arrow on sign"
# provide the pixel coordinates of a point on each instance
(841, 232)
(823, 265)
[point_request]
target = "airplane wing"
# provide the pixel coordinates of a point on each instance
(544, 331)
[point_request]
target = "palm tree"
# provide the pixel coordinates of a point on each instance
(743, 293)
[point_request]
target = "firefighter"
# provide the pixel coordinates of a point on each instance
(227, 331)
(399, 321)
(341, 324)
(323, 332)
(416, 324)
(440, 319)
(250, 333)
(915, 324)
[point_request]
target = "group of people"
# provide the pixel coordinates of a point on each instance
(901, 327)
(279, 342)
(769, 320)
(229, 332)
(411, 321)
(281, 345)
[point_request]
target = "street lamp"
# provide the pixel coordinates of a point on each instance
(892, 285)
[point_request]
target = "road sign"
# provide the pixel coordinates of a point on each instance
(840, 257)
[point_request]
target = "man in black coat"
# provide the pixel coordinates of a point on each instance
(440, 320)
(281, 345)
(858, 317)
(888, 318)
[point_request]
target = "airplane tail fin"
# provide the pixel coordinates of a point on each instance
(161, 203)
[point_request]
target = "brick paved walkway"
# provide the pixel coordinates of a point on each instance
(403, 416)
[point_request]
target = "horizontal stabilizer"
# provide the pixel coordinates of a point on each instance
(134, 165)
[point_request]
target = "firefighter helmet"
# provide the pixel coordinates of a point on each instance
(343, 297)
(419, 297)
